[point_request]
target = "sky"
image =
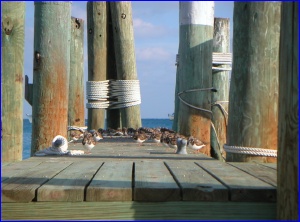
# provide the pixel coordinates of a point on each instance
(156, 40)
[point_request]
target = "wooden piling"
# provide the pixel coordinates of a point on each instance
(220, 81)
(76, 78)
(52, 33)
(97, 54)
(288, 142)
(13, 21)
(253, 98)
(113, 116)
(195, 61)
(176, 100)
(125, 56)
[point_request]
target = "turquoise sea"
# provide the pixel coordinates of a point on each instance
(27, 127)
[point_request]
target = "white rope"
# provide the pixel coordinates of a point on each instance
(250, 150)
(113, 94)
(219, 58)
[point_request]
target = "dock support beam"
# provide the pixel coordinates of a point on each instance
(13, 21)
(76, 78)
(125, 56)
(253, 98)
(220, 81)
(195, 61)
(113, 116)
(52, 33)
(97, 54)
(288, 121)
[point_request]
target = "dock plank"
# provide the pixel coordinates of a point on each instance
(16, 168)
(69, 185)
(153, 182)
(242, 186)
(22, 187)
(197, 184)
(271, 165)
(264, 173)
(113, 182)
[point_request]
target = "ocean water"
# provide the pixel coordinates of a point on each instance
(27, 127)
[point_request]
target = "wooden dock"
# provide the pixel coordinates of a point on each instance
(121, 180)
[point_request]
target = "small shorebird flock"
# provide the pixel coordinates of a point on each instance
(164, 136)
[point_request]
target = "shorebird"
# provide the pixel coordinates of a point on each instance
(88, 142)
(156, 136)
(195, 143)
(75, 136)
(96, 135)
(140, 138)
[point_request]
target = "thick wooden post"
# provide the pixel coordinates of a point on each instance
(113, 116)
(125, 56)
(97, 54)
(176, 100)
(51, 72)
(13, 21)
(76, 78)
(288, 121)
(195, 61)
(220, 81)
(253, 98)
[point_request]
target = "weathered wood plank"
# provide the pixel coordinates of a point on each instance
(13, 169)
(153, 182)
(22, 187)
(271, 165)
(261, 172)
(69, 184)
(197, 184)
(183, 210)
(113, 182)
(242, 186)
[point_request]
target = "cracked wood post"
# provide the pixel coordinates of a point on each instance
(125, 56)
(52, 33)
(97, 55)
(220, 81)
(253, 97)
(76, 78)
(13, 21)
(195, 61)
(288, 121)
(113, 116)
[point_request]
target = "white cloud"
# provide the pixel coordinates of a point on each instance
(153, 53)
(147, 29)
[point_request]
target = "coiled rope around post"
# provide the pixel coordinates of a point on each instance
(113, 94)
(250, 150)
(220, 58)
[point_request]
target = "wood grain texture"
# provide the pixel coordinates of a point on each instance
(97, 54)
(242, 186)
(259, 171)
(288, 126)
(12, 68)
(220, 81)
(153, 182)
(195, 183)
(113, 182)
(184, 210)
(113, 116)
(22, 188)
(52, 33)
(16, 168)
(125, 56)
(253, 99)
(76, 79)
(195, 72)
(69, 185)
